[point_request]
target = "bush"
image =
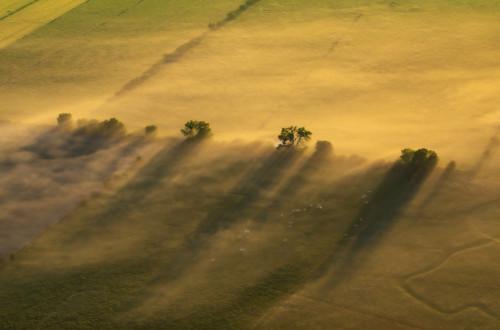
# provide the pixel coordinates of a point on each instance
(150, 130)
(86, 137)
(64, 120)
(418, 157)
(195, 128)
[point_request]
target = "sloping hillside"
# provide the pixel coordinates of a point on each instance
(104, 228)
(211, 235)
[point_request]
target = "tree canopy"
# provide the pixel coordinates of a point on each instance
(195, 128)
(418, 157)
(64, 120)
(293, 136)
(150, 130)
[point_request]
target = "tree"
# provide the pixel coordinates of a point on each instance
(111, 128)
(418, 157)
(150, 130)
(407, 155)
(196, 129)
(293, 136)
(303, 135)
(64, 120)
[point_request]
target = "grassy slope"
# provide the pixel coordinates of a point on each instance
(392, 73)
(110, 264)
(92, 50)
(224, 236)
(130, 261)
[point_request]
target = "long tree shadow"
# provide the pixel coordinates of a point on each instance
(374, 220)
(437, 188)
(322, 155)
(255, 297)
(238, 202)
(161, 166)
(487, 153)
(236, 205)
(132, 146)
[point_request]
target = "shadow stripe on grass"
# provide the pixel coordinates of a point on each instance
(15, 11)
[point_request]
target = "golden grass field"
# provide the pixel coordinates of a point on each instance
(229, 233)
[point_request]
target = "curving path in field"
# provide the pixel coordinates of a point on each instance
(410, 288)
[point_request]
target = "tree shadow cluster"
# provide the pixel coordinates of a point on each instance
(70, 139)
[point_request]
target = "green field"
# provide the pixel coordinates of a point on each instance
(229, 232)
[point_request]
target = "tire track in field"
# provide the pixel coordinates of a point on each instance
(15, 11)
(333, 45)
(406, 287)
(180, 51)
(128, 9)
(260, 324)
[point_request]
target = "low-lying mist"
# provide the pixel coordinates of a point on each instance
(225, 230)
(48, 171)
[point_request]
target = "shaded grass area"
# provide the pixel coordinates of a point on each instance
(241, 199)
(378, 214)
(47, 175)
(138, 260)
(242, 309)
(86, 139)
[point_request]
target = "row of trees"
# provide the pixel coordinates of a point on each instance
(289, 137)
(292, 136)
(91, 128)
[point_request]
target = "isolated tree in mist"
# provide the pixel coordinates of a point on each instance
(418, 158)
(150, 130)
(111, 128)
(65, 120)
(195, 128)
(293, 136)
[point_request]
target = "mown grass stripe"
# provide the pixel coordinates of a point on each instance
(31, 17)
(18, 9)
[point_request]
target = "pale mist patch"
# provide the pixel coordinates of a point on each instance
(37, 191)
